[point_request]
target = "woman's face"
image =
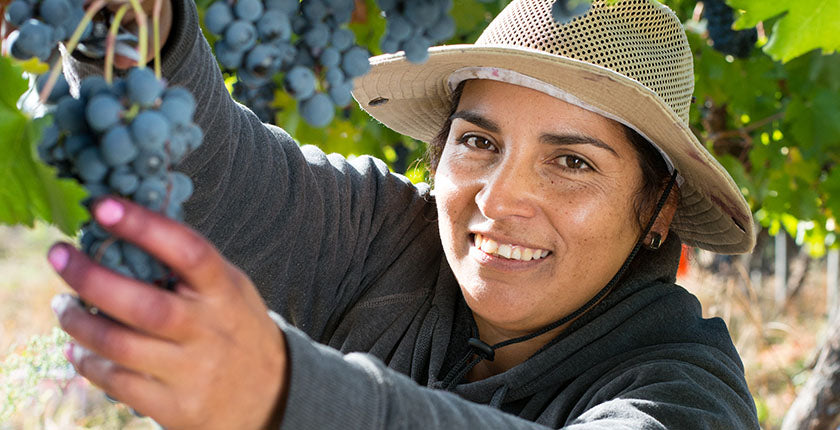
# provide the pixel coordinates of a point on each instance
(548, 190)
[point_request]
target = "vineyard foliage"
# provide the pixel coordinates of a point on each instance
(772, 118)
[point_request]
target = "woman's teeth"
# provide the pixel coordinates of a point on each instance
(511, 252)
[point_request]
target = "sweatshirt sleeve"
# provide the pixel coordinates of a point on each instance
(311, 230)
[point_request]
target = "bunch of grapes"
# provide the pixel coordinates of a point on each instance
(41, 24)
(124, 139)
(260, 99)
(563, 11)
(720, 18)
(415, 25)
(307, 43)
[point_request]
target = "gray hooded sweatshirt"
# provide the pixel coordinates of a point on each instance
(349, 257)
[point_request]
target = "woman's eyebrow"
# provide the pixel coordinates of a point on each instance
(576, 139)
(552, 139)
(476, 119)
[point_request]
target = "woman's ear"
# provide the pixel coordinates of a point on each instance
(659, 232)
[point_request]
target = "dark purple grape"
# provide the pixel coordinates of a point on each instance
(18, 12)
(218, 16)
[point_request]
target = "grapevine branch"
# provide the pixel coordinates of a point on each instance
(744, 132)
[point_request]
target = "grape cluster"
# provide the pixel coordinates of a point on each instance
(415, 25)
(41, 24)
(123, 139)
(305, 42)
(260, 99)
(563, 11)
(720, 17)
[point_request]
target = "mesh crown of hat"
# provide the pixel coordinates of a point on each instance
(640, 39)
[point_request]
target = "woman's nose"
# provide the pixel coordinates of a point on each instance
(508, 191)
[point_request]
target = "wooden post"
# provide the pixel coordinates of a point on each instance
(817, 405)
(781, 269)
(832, 271)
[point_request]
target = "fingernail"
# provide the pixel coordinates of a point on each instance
(76, 353)
(109, 212)
(68, 352)
(58, 257)
(59, 303)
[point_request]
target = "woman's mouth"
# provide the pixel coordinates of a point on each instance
(507, 251)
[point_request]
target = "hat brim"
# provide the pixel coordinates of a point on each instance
(414, 100)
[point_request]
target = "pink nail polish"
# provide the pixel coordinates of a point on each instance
(68, 352)
(58, 257)
(109, 212)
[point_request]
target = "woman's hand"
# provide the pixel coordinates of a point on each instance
(206, 355)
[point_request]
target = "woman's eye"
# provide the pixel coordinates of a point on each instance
(477, 142)
(573, 162)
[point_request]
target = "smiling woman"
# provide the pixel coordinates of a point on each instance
(527, 171)
(533, 287)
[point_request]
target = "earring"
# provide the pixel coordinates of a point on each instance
(655, 240)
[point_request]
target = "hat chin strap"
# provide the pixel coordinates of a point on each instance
(516, 78)
(483, 351)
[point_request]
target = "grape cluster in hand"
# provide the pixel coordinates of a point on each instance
(305, 42)
(415, 25)
(41, 24)
(124, 139)
(719, 18)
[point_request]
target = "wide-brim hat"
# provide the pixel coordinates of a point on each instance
(628, 60)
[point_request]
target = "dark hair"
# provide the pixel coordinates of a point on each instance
(655, 172)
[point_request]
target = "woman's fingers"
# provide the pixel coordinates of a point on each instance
(111, 340)
(141, 391)
(142, 306)
(186, 252)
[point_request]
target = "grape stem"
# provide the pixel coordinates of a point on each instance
(55, 70)
(94, 8)
(3, 7)
(104, 246)
(143, 30)
(111, 41)
(156, 33)
(697, 14)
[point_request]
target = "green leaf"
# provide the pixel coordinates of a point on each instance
(814, 122)
(806, 25)
(29, 190)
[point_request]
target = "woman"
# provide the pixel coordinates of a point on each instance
(532, 288)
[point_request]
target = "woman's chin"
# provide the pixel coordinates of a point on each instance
(500, 310)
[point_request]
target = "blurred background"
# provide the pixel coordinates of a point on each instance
(767, 104)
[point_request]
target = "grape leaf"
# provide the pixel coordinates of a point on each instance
(29, 189)
(806, 25)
